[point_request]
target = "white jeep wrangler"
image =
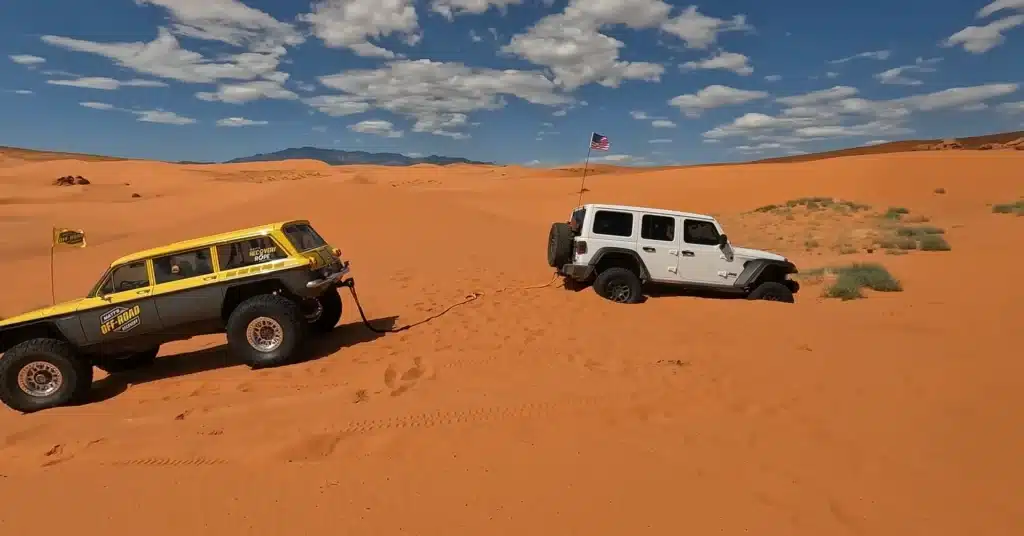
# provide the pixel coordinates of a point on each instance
(619, 248)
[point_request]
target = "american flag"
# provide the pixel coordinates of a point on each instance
(599, 142)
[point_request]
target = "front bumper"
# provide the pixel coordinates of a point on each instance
(329, 281)
(578, 272)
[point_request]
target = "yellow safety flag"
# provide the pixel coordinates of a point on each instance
(68, 237)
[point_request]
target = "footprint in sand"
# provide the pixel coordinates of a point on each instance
(400, 383)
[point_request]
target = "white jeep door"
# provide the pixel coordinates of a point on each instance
(701, 260)
(658, 246)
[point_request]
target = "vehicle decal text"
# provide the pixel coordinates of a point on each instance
(120, 320)
(262, 254)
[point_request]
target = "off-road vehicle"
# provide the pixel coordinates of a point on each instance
(620, 248)
(267, 287)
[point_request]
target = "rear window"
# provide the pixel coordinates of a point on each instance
(303, 237)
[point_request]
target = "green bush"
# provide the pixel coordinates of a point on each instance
(852, 278)
(919, 231)
(934, 242)
(1016, 207)
(895, 213)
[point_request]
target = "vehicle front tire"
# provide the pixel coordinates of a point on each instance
(559, 245)
(772, 291)
(266, 330)
(40, 374)
(620, 285)
(135, 361)
(329, 305)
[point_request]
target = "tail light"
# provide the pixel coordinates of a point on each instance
(581, 247)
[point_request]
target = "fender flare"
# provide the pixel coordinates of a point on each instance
(753, 269)
(603, 252)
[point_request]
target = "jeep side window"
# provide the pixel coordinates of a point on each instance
(248, 252)
(613, 223)
(700, 232)
(182, 266)
(303, 237)
(660, 228)
(126, 277)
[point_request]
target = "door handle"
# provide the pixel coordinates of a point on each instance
(648, 249)
(687, 253)
(142, 291)
(209, 278)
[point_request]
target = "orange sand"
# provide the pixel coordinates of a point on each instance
(544, 411)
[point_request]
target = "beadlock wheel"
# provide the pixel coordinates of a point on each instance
(264, 334)
(40, 379)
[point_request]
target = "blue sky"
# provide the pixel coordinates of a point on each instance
(508, 81)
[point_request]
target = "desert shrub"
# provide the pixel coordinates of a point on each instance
(811, 243)
(918, 231)
(854, 277)
(897, 242)
(766, 208)
(934, 242)
(940, 190)
(847, 250)
(1016, 207)
(895, 213)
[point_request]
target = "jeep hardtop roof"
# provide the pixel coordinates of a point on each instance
(206, 241)
(649, 210)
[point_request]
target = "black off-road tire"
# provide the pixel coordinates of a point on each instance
(76, 375)
(620, 285)
(283, 315)
(138, 360)
(559, 245)
(330, 313)
(772, 291)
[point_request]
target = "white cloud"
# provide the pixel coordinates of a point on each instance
(613, 158)
(660, 140)
(23, 91)
(895, 76)
(239, 122)
(714, 96)
(164, 57)
(450, 8)
(639, 115)
(831, 74)
(475, 37)
(1000, 5)
(228, 21)
(26, 59)
(352, 24)
(247, 92)
(97, 105)
(377, 128)
(559, 113)
(160, 116)
(701, 31)
(728, 61)
(875, 142)
(99, 82)
(338, 105)
(304, 86)
(1013, 107)
(835, 113)
(981, 39)
(438, 95)
(773, 78)
(663, 123)
(822, 95)
(880, 55)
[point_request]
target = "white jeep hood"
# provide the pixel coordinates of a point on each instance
(749, 254)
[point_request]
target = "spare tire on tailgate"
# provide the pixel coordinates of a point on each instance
(559, 245)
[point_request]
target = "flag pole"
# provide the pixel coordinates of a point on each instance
(586, 164)
(53, 295)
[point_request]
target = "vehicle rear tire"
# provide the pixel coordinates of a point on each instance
(135, 361)
(40, 374)
(772, 291)
(266, 330)
(620, 285)
(329, 305)
(559, 245)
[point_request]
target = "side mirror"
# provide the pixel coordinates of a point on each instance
(723, 240)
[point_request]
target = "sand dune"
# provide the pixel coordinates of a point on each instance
(543, 410)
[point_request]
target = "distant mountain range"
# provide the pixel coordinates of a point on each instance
(336, 157)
